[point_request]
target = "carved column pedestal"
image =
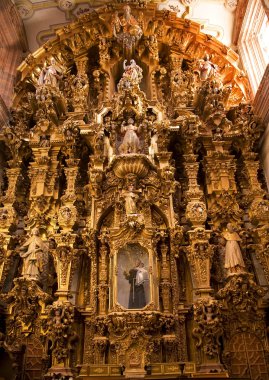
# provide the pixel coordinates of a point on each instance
(207, 332)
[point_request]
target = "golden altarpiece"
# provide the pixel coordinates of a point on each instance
(134, 214)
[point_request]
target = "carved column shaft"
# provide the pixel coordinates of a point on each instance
(12, 176)
(165, 284)
(103, 276)
(4, 242)
(191, 168)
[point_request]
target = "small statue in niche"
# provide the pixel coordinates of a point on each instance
(51, 75)
(31, 252)
(108, 150)
(131, 196)
(44, 141)
(234, 262)
(153, 148)
(80, 91)
(206, 69)
(130, 143)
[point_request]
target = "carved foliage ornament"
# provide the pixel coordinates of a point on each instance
(59, 329)
(208, 327)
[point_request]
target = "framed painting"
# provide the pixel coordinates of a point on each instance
(133, 278)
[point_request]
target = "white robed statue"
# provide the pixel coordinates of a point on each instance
(31, 253)
(130, 143)
(234, 262)
(51, 75)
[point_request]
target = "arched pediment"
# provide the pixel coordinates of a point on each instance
(162, 32)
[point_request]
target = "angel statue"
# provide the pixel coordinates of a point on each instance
(31, 252)
(132, 75)
(130, 143)
(51, 74)
(206, 69)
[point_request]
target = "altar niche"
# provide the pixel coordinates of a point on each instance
(133, 277)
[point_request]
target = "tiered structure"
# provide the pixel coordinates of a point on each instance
(133, 219)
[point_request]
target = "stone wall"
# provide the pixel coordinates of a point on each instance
(13, 45)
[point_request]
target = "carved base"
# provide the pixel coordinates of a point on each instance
(220, 375)
(63, 371)
(134, 373)
(210, 368)
(204, 292)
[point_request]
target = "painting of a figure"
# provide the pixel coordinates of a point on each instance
(133, 277)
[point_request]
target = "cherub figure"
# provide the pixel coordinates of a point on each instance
(206, 69)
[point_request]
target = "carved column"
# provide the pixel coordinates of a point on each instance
(7, 213)
(38, 171)
(53, 173)
(103, 276)
(4, 255)
(68, 213)
(176, 236)
(91, 296)
(196, 208)
(165, 284)
(88, 355)
(259, 208)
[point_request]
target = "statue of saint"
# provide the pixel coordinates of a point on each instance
(130, 143)
(51, 74)
(131, 197)
(129, 23)
(31, 253)
(153, 148)
(126, 25)
(234, 262)
(108, 150)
